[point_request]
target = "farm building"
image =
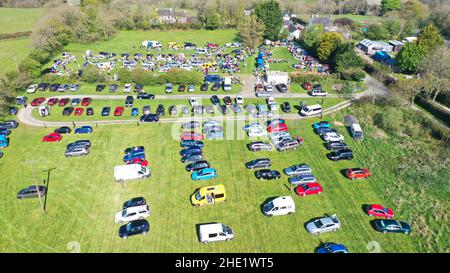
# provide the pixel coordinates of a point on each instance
(370, 47)
(326, 22)
(396, 45)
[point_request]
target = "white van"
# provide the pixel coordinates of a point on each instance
(356, 131)
(215, 232)
(129, 172)
(279, 206)
(311, 110)
(227, 84)
(201, 51)
(132, 213)
(318, 92)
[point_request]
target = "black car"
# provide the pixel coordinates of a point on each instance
(336, 146)
(191, 151)
(190, 142)
(190, 125)
(258, 163)
(134, 228)
(227, 100)
(100, 87)
(286, 107)
(341, 154)
(4, 131)
(160, 110)
(138, 87)
(282, 88)
(197, 166)
(267, 174)
(82, 143)
(105, 111)
(223, 109)
(89, 111)
(113, 87)
(13, 110)
(130, 150)
(63, 130)
(129, 101)
(134, 202)
(215, 86)
(32, 192)
(54, 87)
(43, 86)
(259, 146)
(192, 158)
(215, 100)
(150, 118)
(204, 87)
(145, 96)
(68, 111)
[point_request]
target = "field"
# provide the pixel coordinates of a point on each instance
(12, 52)
(18, 20)
(83, 196)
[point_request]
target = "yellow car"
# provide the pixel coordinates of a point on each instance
(209, 195)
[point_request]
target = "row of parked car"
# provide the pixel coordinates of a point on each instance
(55, 87)
(5, 131)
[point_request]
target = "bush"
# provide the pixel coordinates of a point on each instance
(390, 120)
(434, 109)
(92, 75)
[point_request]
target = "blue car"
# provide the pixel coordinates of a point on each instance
(204, 174)
(332, 248)
(4, 131)
(84, 130)
(132, 156)
(134, 112)
(214, 135)
(190, 142)
(321, 124)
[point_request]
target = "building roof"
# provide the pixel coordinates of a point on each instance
(368, 43)
(165, 12)
(292, 28)
(395, 43)
(373, 2)
(325, 21)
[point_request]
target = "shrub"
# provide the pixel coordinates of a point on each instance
(390, 120)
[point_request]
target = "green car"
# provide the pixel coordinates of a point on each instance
(393, 226)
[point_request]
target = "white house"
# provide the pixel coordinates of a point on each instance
(371, 47)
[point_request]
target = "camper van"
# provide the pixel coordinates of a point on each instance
(129, 172)
(279, 206)
(209, 195)
(227, 84)
(356, 131)
(311, 110)
(215, 232)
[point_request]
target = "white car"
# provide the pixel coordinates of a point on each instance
(270, 100)
(268, 88)
(127, 88)
(32, 88)
(324, 224)
(215, 232)
(280, 139)
(186, 67)
(132, 213)
(255, 132)
(279, 134)
(282, 205)
(332, 136)
(252, 126)
(239, 99)
(193, 101)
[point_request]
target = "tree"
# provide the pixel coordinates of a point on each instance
(212, 20)
(415, 9)
(251, 31)
(328, 44)
(310, 37)
(410, 88)
(436, 69)
(378, 32)
(390, 5)
(429, 38)
(269, 12)
(410, 57)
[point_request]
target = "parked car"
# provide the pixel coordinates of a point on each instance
(192, 158)
(376, 210)
(267, 174)
(160, 110)
(43, 86)
(332, 248)
(32, 192)
(392, 226)
(341, 154)
(215, 100)
(259, 146)
(134, 149)
(286, 107)
(74, 87)
(128, 158)
(239, 99)
(84, 130)
(149, 118)
(321, 124)
(204, 174)
(277, 128)
(297, 169)
(132, 213)
(63, 101)
(215, 86)
(191, 150)
(209, 109)
(197, 166)
(236, 108)
(105, 111)
(332, 136)
(63, 88)
(336, 146)
(53, 87)
(227, 100)
(77, 151)
(79, 111)
(185, 110)
(215, 232)
(307, 86)
(139, 88)
(37, 101)
(100, 87)
(190, 125)
(256, 132)
(119, 111)
(52, 101)
(302, 179)
(287, 144)
(82, 143)
(75, 101)
(32, 88)
(53, 137)
(282, 88)
(134, 111)
(173, 110)
(181, 88)
(189, 143)
(113, 88)
(283, 205)
(259, 163)
(129, 100)
(191, 135)
(145, 96)
(169, 88)
(308, 189)
(63, 130)
(134, 202)
(254, 125)
(127, 88)
(146, 109)
(134, 228)
(357, 173)
(191, 88)
(204, 86)
(4, 131)
(324, 224)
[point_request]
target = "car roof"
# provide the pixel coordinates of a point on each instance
(283, 200)
(211, 228)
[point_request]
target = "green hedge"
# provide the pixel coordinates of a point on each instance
(14, 35)
(435, 110)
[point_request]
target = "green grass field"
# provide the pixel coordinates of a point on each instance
(18, 20)
(12, 52)
(83, 196)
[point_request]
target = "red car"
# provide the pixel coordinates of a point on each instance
(52, 101)
(307, 85)
(210, 45)
(279, 127)
(140, 161)
(86, 101)
(63, 102)
(78, 111)
(357, 173)
(119, 110)
(191, 136)
(308, 189)
(37, 101)
(375, 210)
(53, 137)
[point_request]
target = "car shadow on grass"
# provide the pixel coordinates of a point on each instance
(343, 172)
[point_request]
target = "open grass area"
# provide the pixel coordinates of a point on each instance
(12, 52)
(18, 19)
(83, 196)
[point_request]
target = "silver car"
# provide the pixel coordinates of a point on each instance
(323, 225)
(302, 179)
(297, 169)
(77, 151)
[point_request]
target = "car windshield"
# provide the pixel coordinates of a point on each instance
(269, 206)
(318, 223)
(199, 197)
